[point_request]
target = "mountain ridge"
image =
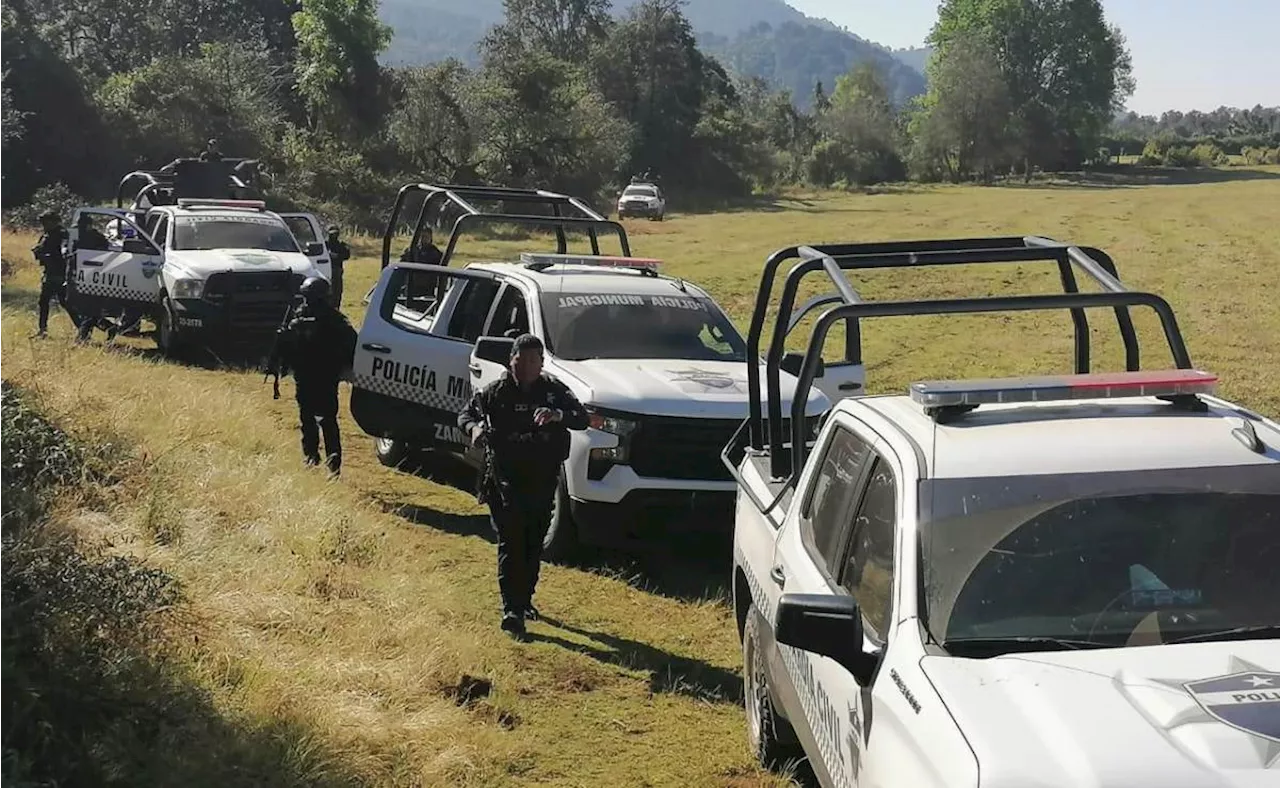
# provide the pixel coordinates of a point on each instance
(756, 38)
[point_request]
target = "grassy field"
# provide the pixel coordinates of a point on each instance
(352, 622)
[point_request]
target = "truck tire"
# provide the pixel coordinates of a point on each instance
(391, 453)
(168, 338)
(561, 540)
(770, 736)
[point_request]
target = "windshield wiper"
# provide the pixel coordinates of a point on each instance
(1266, 630)
(1008, 645)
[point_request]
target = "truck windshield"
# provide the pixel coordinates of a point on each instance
(583, 326)
(1097, 560)
(232, 232)
(640, 191)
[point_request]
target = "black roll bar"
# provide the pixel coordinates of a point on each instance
(808, 370)
(461, 197)
(836, 258)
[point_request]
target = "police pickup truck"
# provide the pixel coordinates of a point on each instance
(204, 270)
(659, 366)
(1037, 581)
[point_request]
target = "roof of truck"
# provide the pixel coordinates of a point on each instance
(1077, 436)
(591, 279)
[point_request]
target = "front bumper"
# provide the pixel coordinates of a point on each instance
(656, 516)
(639, 209)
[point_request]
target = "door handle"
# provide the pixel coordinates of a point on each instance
(778, 576)
(475, 370)
(94, 263)
(849, 386)
(376, 348)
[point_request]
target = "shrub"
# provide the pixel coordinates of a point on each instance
(55, 197)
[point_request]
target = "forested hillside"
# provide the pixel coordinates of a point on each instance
(566, 94)
(754, 38)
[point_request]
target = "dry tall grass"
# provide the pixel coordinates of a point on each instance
(358, 609)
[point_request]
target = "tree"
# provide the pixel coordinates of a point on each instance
(860, 132)
(11, 126)
(568, 29)
(1066, 71)
(965, 120)
(431, 126)
(337, 63)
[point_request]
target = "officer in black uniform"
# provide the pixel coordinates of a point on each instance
(525, 417)
(318, 346)
(48, 251)
(339, 253)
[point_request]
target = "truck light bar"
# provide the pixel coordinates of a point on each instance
(199, 202)
(601, 261)
(1048, 388)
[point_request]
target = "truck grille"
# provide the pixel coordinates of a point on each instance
(666, 447)
(253, 299)
(244, 282)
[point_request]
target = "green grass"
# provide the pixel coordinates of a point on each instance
(354, 610)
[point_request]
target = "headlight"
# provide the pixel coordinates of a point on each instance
(187, 288)
(611, 424)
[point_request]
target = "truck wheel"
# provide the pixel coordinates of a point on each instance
(562, 534)
(391, 453)
(167, 337)
(771, 737)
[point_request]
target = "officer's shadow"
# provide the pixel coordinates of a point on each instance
(668, 673)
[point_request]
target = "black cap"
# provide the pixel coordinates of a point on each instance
(333, 228)
(525, 342)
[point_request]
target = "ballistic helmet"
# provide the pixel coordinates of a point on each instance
(315, 288)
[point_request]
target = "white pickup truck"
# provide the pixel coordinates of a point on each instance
(205, 270)
(658, 364)
(1061, 581)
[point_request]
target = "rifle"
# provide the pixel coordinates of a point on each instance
(273, 358)
(491, 482)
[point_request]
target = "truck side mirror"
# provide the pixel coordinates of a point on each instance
(829, 625)
(792, 362)
(494, 349)
(314, 249)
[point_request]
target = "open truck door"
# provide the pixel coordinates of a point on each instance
(306, 228)
(116, 269)
(410, 373)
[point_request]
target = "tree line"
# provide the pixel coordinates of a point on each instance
(564, 96)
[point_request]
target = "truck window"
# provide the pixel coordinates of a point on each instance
(161, 231)
(467, 321)
(416, 297)
(512, 313)
(828, 511)
(868, 573)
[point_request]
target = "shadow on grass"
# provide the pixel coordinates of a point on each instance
(688, 568)
(668, 673)
(1132, 176)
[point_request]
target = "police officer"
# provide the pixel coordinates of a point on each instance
(48, 251)
(90, 238)
(211, 151)
(317, 345)
(524, 417)
(339, 253)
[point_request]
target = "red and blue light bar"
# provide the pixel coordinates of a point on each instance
(203, 202)
(1050, 388)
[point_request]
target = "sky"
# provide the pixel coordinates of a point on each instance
(1187, 54)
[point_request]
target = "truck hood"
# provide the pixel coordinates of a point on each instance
(1202, 714)
(676, 387)
(200, 263)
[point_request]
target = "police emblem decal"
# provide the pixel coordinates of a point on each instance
(1248, 701)
(703, 377)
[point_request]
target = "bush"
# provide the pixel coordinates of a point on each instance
(80, 629)
(54, 197)
(1207, 154)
